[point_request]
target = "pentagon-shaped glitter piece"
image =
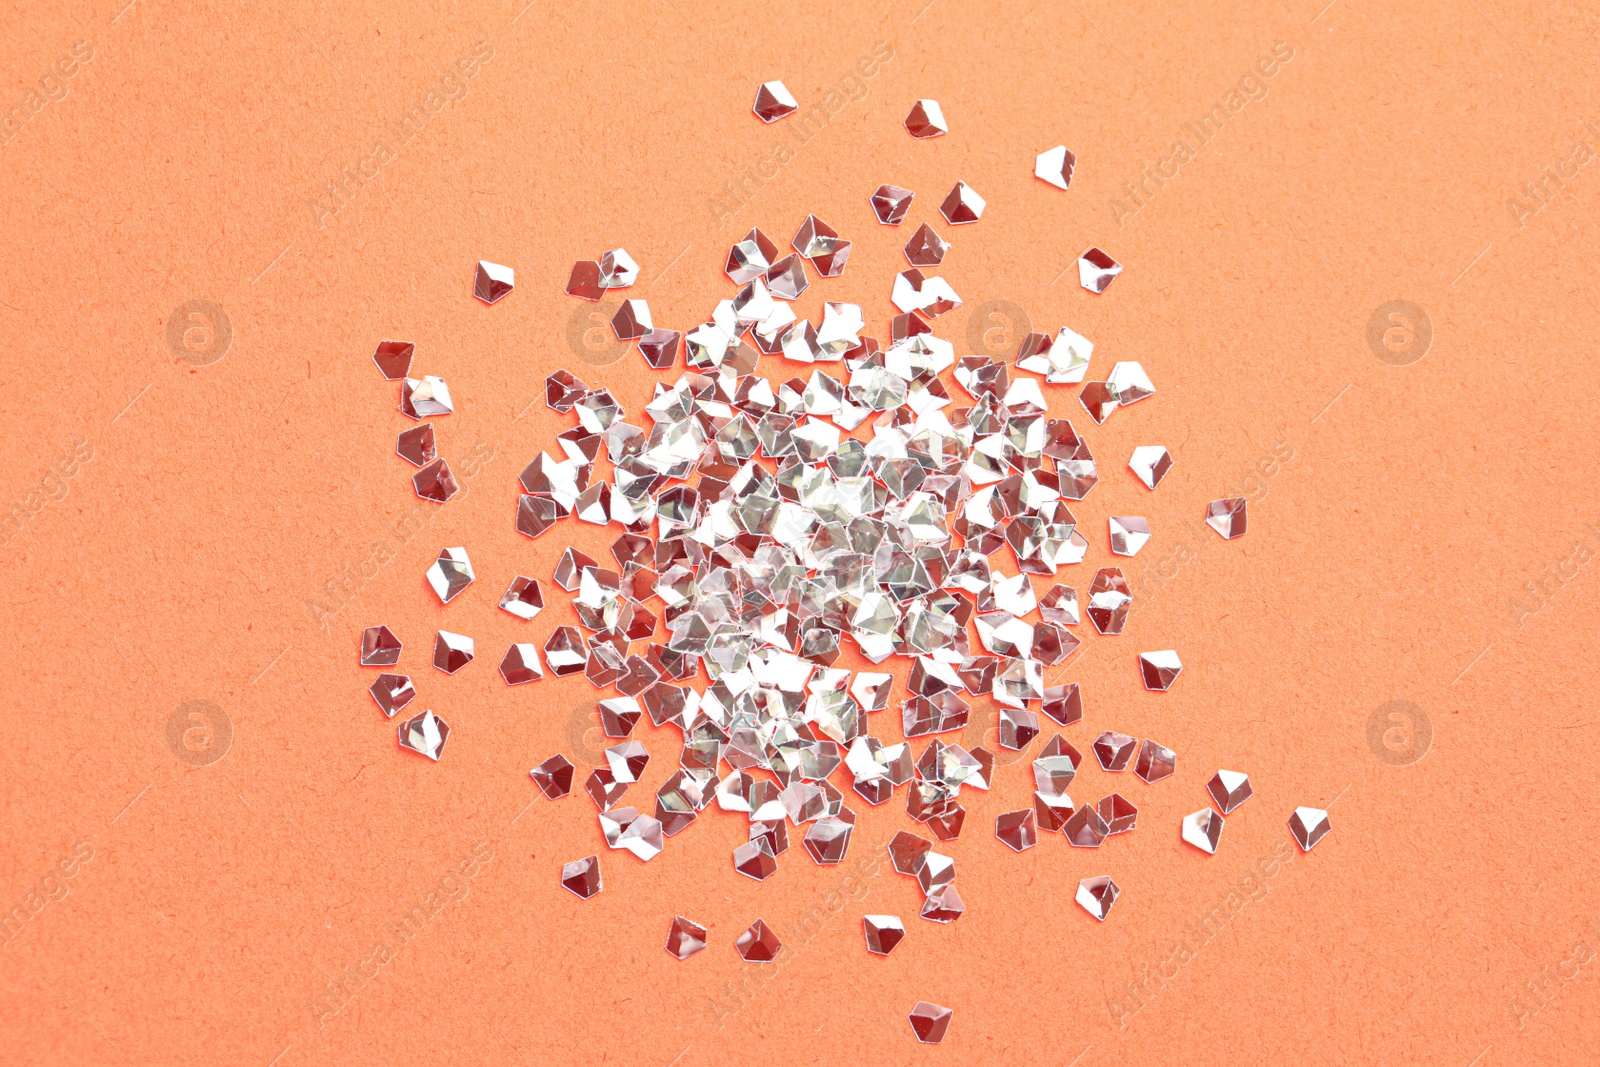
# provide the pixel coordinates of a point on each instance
(755, 859)
(425, 397)
(1118, 815)
(392, 692)
(943, 905)
(773, 102)
(890, 204)
(1155, 761)
(435, 482)
(1151, 464)
(394, 358)
(926, 120)
(1159, 670)
(758, 944)
(1228, 790)
(1017, 728)
(935, 871)
(685, 938)
(536, 514)
(524, 598)
(1098, 400)
(521, 664)
(565, 651)
(751, 257)
(617, 269)
(1085, 828)
(660, 347)
(627, 761)
(553, 777)
(926, 248)
(493, 281)
(962, 205)
(379, 647)
(582, 877)
(1060, 605)
(1129, 533)
(584, 281)
(603, 788)
(1114, 750)
(416, 446)
(425, 735)
(930, 1022)
(907, 850)
(1051, 812)
(1203, 829)
(827, 840)
(632, 320)
(1309, 825)
(450, 574)
(1227, 516)
(1063, 703)
(1054, 165)
(1108, 600)
(1128, 383)
(1017, 829)
(1096, 895)
(786, 279)
(883, 933)
(562, 391)
(619, 715)
(452, 651)
(1096, 270)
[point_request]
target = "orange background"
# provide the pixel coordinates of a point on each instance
(223, 542)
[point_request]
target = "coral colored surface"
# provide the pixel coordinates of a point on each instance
(200, 519)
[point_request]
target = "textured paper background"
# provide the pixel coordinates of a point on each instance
(222, 521)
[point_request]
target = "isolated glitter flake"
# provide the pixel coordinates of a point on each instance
(1155, 761)
(493, 281)
(617, 269)
(773, 102)
(524, 598)
(521, 664)
(1096, 270)
(1228, 790)
(962, 205)
(553, 777)
(1309, 825)
(416, 446)
(883, 933)
(758, 944)
(584, 281)
(685, 938)
(425, 397)
(450, 574)
(1096, 895)
(425, 735)
(452, 651)
(1160, 669)
(582, 877)
(1054, 165)
(1114, 750)
(1017, 829)
(926, 120)
(1151, 463)
(930, 1022)
(926, 248)
(890, 204)
(1203, 829)
(1129, 533)
(392, 693)
(1227, 516)
(1109, 600)
(435, 482)
(393, 358)
(379, 647)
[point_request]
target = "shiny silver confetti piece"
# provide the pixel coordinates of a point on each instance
(1155, 761)
(786, 279)
(1051, 812)
(1114, 750)
(930, 1022)
(773, 102)
(1098, 400)
(1096, 895)
(1108, 600)
(416, 446)
(619, 715)
(1058, 762)
(1203, 829)
(926, 248)
(1128, 384)
(1062, 360)
(906, 852)
(1017, 728)
(562, 391)
(926, 120)
(394, 358)
(450, 574)
(1309, 825)
(392, 692)
(1151, 463)
(524, 598)
(632, 320)
(1129, 533)
(617, 269)
(565, 651)
(425, 397)
(584, 281)
(452, 651)
(639, 834)
(883, 933)
(521, 664)
(1118, 815)
(379, 647)
(1227, 516)
(553, 777)
(582, 876)
(1060, 604)
(815, 238)
(962, 205)
(1228, 790)
(1054, 165)
(685, 938)
(1085, 828)
(627, 761)
(943, 905)
(660, 347)
(425, 734)
(493, 281)
(1017, 829)
(756, 859)
(934, 871)
(1063, 703)
(751, 257)
(1159, 670)
(1096, 270)
(435, 482)
(890, 204)
(758, 944)
(604, 789)
(827, 840)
